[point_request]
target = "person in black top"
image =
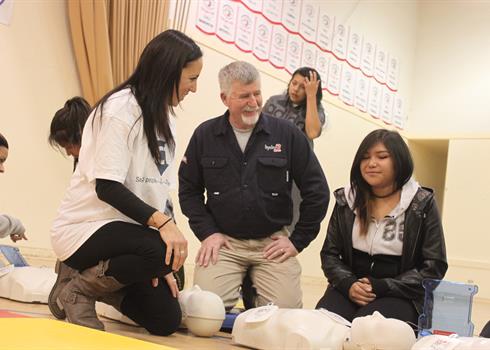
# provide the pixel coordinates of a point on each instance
(384, 237)
(245, 163)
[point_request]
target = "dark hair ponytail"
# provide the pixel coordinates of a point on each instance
(68, 122)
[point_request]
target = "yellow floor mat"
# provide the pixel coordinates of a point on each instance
(40, 334)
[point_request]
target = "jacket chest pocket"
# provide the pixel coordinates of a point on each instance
(272, 174)
(216, 172)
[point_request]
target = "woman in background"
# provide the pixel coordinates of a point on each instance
(111, 225)
(9, 226)
(301, 104)
(67, 126)
(384, 236)
(66, 132)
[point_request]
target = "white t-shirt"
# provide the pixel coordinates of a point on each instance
(114, 147)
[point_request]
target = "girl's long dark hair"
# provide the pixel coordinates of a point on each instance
(402, 163)
(154, 80)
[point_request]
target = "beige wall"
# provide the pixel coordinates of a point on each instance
(452, 77)
(466, 211)
(430, 158)
(37, 75)
(451, 99)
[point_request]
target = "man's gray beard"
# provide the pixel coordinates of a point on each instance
(250, 121)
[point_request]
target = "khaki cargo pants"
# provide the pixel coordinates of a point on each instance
(278, 283)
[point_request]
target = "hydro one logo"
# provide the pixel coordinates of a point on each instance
(274, 148)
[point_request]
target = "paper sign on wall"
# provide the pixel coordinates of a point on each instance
(374, 99)
(326, 24)
(398, 116)
(322, 64)
(347, 85)
(367, 58)
(361, 92)
(279, 42)
(380, 65)
(272, 10)
(290, 16)
(354, 49)
(309, 55)
(334, 74)
(262, 40)
(387, 105)
(227, 15)
(309, 21)
(246, 30)
(293, 55)
(393, 71)
(340, 41)
(207, 14)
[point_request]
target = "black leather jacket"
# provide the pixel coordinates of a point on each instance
(423, 254)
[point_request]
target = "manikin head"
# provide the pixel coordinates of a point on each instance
(203, 312)
(377, 332)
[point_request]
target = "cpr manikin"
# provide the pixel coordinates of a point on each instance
(19, 281)
(28, 284)
(203, 312)
(269, 327)
(377, 332)
(441, 342)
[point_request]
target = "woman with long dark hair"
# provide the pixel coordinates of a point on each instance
(384, 236)
(111, 225)
(301, 103)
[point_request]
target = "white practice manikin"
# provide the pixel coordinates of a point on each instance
(28, 284)
(441, 342)
(269, 327)
(203, 312)
(377, 332)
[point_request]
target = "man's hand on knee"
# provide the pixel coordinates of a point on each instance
(210, 247)
(280, 249)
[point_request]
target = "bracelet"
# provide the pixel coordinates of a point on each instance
(166, 222)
